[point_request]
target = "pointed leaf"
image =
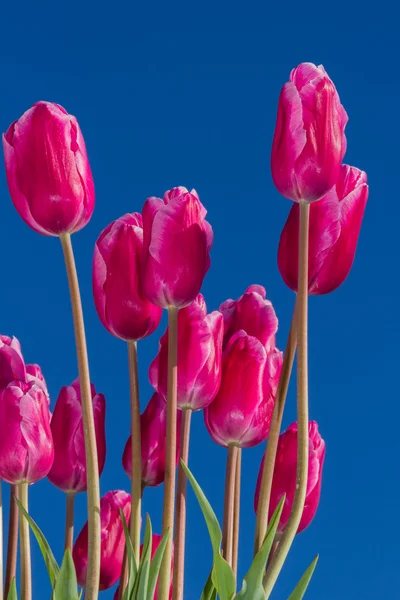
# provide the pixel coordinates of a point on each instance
(209, 592)
(66, 584)
(132, 568)
(144, 566)
(12, 593)
(301, 587)
(156, 565)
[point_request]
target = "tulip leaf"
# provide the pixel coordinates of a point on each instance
(209, 592)
(132, 568)
(144, 565)
(301, 587)
(155, 566)
(66, 585)
(12, 593)
(222, 574)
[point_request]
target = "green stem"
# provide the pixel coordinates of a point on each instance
(236, 512)
(227, 529)
(12, 542)
(69, 521)
(136, 472)
(25, 550)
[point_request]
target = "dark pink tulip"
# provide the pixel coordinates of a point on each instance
(12, 365)
(112, 540)
(309, 140)
(69, 467)
(335, 223)
(153, 429)
(176, 247)
(199, 357)
(26, 443)
(284, 479)
(120, 302)
(48, 171)
(241, 413)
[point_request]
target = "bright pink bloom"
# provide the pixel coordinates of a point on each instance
(12, 365)
(48, 171)
(153, 430)
(26, 443)
(121, 304)
(112, 540)
(335, 223)
(69, 468)
(176, 247)
(199, 357)
(309, 140)
(241, 413)
(284, 480)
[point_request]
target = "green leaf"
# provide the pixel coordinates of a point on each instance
(144, 566)
(252, 585)
(302, 586)
(132, 568)
(12, 593)
(209, 592)
(222, 574)
(66, 585)
(156, 565)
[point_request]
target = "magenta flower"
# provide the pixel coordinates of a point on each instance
(309, 141)
(335, 223)
(12, 365)
(48, 171)
(176, 246)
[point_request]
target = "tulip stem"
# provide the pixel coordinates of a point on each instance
(12, 542)
(1, 542)
(170, 460)
(236, 512)
(69, 521)
(273, 437)
(180, 524)
(25, 550)
(227, 529)
(92, 469)
(302, 407)
(136, 472)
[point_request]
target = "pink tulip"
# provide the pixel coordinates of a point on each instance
(12, 365)
(284, 479)
(176, 246)
(309, 140)
(112, 540)
(335, 223)
(26, 443)
(121, 304)
(69, 468)
(48, 171)
(241, 413)
(153, 429)
(199, 357)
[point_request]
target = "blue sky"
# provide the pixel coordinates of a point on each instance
(185, 94)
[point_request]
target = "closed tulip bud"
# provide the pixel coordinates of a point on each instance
(284, 478)
(176, 247)
(26, 443)
(335, 223)
(120, 302)
(153, 432)
(12, 365)
(241, 413)
(48, 171)
(309, 141)
(199, 357)
(69, 467)
(112, 540)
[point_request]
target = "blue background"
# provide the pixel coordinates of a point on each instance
(185, 94)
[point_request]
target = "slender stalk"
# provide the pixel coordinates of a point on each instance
(273, 437)
(227, 530)
(169, 482)
(180, 523)
(25, 550)
(92, 469)
(236, 512)
(1, 543)
(302, 406)
(136, 472)
(12, 542)
(69, 521)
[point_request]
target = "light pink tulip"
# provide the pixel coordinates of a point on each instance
(12, 365)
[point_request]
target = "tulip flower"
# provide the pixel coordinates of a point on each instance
(112, 540)
(284, 479)
(153, 423)
(335, 223)
(120, 302)
(26, 443)
(69, 467)
(12, 365)
(241, 413)
(309, 141)
(48, 171)
(176, 246)
(199, 357)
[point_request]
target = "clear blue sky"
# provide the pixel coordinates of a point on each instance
(185, 94)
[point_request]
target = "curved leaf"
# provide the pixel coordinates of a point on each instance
(66, 584)
(301, 587)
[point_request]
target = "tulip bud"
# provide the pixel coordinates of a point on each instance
(26, 443)
(284, 479)
(241, 413)
(199, 357)
(335, 223)
(12, 365)
(112, 540)
(176, 246)
(120, 302)
(309, 140)
(69, 467)
(153, 432)
(48, 171)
